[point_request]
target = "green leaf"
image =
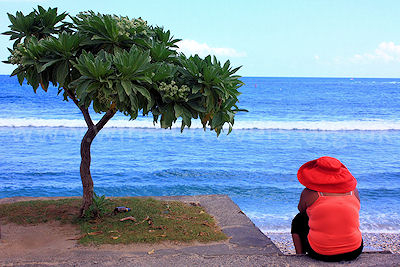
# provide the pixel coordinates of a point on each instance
(181, 111)
(92, 87)
(178, 110)
(134, 102)
(197, 107)
(235, 70)
(127, 85)
(217, 120)
(230, 128)
(81, 87)
(62, 72)
(141, 42)
(144, 78)
(196, 89)
(143, 91)
(21, 77)
(15, 72)
(48, 64)
(229, 103)
(182, 126)
(210, 102)
(168, 116)
(96, 106)
(121, 92)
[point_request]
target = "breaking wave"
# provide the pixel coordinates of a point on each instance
(350, 125)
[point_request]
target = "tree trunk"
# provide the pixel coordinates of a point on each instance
(86, 177)
(93, 130)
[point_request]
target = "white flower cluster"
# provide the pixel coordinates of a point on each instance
(126, 25)
(173, 92)
(16, 54)
(103, 99)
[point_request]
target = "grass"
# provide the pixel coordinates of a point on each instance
(155, 220)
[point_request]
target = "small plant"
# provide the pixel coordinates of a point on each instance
(99, 207)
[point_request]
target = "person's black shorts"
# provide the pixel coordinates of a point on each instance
(300, 227)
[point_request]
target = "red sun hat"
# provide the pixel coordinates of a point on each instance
(326, 174)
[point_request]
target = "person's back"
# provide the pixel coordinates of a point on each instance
(334, 224)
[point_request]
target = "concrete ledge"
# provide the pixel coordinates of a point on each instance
(245, 236)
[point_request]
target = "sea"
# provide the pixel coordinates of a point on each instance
(289, 121)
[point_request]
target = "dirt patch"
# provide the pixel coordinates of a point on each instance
(45, 239)
(19, 242)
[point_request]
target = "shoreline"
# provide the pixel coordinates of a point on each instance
(373, 242)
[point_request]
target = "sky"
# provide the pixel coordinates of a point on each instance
(276, 38)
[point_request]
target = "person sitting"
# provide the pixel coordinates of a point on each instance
(327, 227)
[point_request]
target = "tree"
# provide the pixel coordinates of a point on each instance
(119, 64)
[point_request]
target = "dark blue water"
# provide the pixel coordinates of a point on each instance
(291, 121)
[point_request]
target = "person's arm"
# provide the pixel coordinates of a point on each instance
(302, 202)
(307, 198)
(357, 194)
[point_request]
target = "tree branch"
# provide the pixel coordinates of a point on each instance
(109, 114)
(87, 117)
(84, 110)
(72, 96)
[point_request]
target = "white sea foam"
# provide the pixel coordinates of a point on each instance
(392, 82)
(380, 231)
(372, 125)
(275, 231)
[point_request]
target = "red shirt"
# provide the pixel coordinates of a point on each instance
(334, 224)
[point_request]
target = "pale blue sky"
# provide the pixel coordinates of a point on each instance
(314, 38)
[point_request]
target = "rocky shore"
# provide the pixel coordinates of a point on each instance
(372, 242)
